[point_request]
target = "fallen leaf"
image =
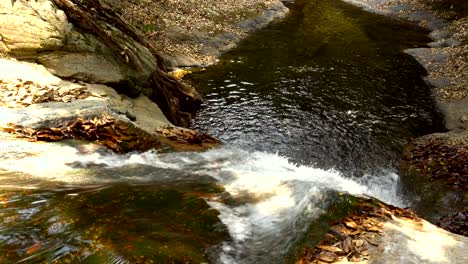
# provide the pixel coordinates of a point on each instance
(33, 248)
(331, 249)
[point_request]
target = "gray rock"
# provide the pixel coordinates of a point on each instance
(421, 16)
(399, 8)
(275, 12)
(175, 60)
(84, 42)
(438, 82)
(440, 34)
(436, 24)
(450, 42)
(455, 113)
(428, 58)
(88, 67)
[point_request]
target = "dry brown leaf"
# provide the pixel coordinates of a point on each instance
(356, 259)
(358, 242)
(351, 224)
(327, 256)
(332, 249)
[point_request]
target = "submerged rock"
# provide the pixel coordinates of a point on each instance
(169, 223)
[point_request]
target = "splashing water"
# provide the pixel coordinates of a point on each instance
(275, 198)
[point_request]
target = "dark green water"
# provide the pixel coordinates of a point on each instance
(329, 86)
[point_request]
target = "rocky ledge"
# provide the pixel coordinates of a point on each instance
(434, 170)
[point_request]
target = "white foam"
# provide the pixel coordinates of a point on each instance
(282, 197)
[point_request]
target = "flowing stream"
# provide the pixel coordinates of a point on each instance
(314, 106)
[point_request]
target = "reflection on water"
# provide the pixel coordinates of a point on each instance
(329, 86)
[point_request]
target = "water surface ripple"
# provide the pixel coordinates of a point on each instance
(329, 86)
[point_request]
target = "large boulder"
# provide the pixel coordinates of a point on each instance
(83, 66)
(88, 41)
(40, 31)
(29, 27)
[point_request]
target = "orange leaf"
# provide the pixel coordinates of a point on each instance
(33, 248)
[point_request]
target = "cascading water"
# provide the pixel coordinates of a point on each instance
(279, 198)
(316, 105)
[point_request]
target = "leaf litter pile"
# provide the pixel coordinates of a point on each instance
(456, 223)
(186, 139)
(19, 93)
(349, 240)
(440, 159)
(117, 136)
